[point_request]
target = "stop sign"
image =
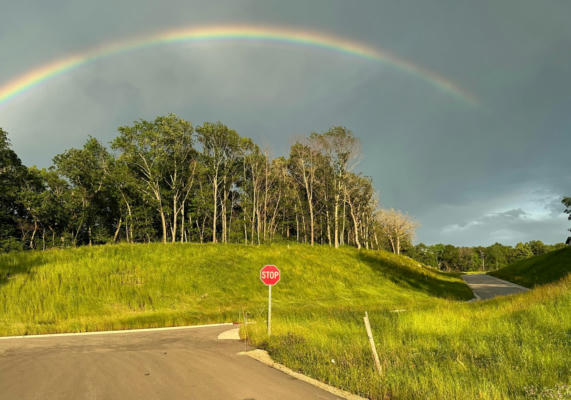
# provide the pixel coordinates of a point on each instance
(270, 275)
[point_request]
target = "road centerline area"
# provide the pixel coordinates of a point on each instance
(162, 364)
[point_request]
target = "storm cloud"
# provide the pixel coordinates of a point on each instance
(470, 174)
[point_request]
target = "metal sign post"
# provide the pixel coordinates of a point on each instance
(270, 275)
(269, 310)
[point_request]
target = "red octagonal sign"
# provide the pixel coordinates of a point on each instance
(270, 275)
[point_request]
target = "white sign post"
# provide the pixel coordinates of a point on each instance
(270, 275)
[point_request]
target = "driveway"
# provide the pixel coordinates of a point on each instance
(487, 286)
(164, 364)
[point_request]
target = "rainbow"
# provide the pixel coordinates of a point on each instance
(45, 72)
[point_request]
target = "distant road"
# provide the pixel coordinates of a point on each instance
(168, 364)
(487, 286)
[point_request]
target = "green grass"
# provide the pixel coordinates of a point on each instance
(131, 286)
(539, 270)
(439, 347)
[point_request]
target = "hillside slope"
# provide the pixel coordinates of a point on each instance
(148, 285)
(432, 344)
(513, 347)
(538, 270)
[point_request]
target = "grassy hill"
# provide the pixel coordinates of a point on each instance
(132, 286)
(538, 270)
(432, 343)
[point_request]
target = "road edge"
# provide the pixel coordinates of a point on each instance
(263, 357)
(169, 328)
(476, 295)
(512, 283)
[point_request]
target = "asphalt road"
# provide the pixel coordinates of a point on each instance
(487, 286)
(172, 364)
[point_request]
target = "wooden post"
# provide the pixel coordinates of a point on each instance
(245, 328)
(372, 342)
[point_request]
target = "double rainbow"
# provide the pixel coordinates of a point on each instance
(233, 33)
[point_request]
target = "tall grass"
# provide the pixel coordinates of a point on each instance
(131, 286)
(539, 270)
(505, 348)
(432, 343)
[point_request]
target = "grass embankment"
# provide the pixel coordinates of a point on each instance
(539, 270)
(439, 347)
(132, 286)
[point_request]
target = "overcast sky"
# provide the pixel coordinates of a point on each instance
(470, 174)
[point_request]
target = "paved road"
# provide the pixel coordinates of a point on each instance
(173, 364)
(487, 286)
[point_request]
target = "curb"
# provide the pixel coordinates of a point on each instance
(263, 357)
(171, 328)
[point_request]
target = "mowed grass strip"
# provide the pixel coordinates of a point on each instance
(539, 270)
(437, 346)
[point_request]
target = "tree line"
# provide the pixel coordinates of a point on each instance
(451, 258)
(167, 180)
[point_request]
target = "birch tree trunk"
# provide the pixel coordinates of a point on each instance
(215, 207)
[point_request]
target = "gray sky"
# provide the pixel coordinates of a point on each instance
(470, 174)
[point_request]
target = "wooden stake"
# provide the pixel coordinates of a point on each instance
(245, 328)
(372, 342)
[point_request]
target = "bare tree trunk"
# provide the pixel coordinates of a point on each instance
(32, 245)
(259, 227)
(355, 224)
(164, 224)
(229, 228)
(182, 221)
(328, 229)
(174, 218)
(312, 227)
(254, 207)
(336, 222)
(266, 175)
(392, 242)
(215, 210)
(117, 230)
(296, 226)
(304, 228)
(344, 219)
(223, 208)
(308, 183)
(128, 221)
(366, 234)
(245, 229)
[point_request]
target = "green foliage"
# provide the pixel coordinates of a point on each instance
(451, 258)
(432, 343)
(12, 176)
(497, 349)
(567, 203)
(538, 270)
(128, 286)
